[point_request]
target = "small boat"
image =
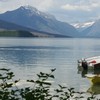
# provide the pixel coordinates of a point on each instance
(89, 63)
(95, 79)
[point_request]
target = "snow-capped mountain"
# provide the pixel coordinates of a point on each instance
(32, 10)
(93, 30)
(30, 17)
(82, 26)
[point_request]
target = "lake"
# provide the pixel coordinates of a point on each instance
(28, 56)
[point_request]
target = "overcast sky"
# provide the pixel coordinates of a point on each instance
(65, 10)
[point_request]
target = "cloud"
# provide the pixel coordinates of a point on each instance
(63, 10)
(13, 4)
(77, 10)
(75, 7)
(43, 5)
(85, 7)
(3, 0)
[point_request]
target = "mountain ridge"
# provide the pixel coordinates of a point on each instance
(11, 27)
(34, 19)
(93, 30)
(84, 25)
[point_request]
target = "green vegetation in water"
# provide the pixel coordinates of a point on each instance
(39, 91)
(14, 33)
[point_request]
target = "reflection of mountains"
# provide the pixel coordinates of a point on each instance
(26, 55)
(94, 89)
(33, 47)
(17, 55)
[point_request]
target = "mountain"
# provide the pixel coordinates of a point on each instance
(93, 30)
(13, 30)
(32, 18)
(4, 25)
(82, 26)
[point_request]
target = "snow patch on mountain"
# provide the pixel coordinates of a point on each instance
(32, 10)
(83, 25)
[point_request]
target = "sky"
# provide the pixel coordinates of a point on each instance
(71, 11)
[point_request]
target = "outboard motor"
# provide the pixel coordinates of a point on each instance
(84, 65)
(79, 63)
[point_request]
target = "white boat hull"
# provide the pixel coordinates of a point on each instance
(89, 63)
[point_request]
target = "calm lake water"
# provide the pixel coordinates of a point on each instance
(28, 56)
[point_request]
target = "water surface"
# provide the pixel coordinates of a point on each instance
(28, 56)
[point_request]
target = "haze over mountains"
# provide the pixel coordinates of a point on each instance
(39, 24)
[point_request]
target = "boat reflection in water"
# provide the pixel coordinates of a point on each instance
(92, 74)
(94, 77)
(95, 86)
(94, 89)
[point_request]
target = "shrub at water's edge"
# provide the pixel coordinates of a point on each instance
(40, 90)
